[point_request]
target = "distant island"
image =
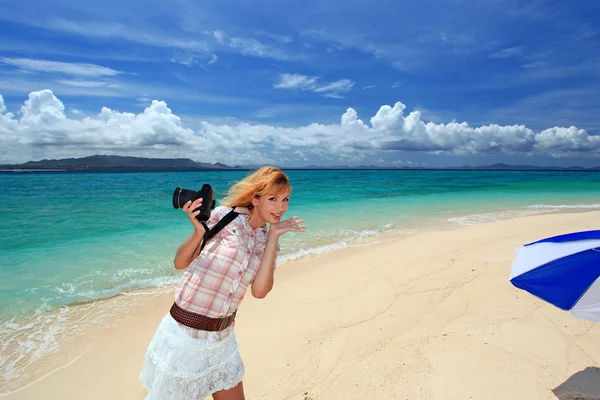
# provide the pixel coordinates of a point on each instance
(122, 163)
(108, 162)
(493, 167)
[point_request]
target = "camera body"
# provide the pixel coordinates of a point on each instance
(182, 196)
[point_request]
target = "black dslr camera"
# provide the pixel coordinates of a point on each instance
(182, 196)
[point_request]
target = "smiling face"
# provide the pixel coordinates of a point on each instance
(268, 208)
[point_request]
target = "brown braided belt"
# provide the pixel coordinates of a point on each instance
(198, 321)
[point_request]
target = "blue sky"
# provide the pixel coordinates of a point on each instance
(430, 83)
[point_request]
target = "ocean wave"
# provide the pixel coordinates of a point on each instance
(135, 284)
(494, 216)
(313, 251)
(81, 290)
(565, 206)
(32, 345)
(24, 341)
(27, 338)
(347, 238)
(484, 218)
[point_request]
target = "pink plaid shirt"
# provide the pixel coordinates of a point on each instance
(215, 283)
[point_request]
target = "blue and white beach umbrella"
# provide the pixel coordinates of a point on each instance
(562, 270)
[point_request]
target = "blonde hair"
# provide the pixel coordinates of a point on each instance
(264, 181)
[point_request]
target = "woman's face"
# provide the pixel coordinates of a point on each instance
(270, 208)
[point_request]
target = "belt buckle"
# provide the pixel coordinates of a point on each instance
(223, 323)
(226, 321)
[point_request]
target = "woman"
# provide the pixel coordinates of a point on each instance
(194, 352)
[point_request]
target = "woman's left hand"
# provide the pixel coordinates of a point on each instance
(288, 225)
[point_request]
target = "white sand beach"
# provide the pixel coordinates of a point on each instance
(428, 316)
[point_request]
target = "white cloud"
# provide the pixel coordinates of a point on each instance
(17, 85)
(219, 36)
(280, 38)
(252, 47)
(343, 85)
(277, 38)
(213, 59)
(402, 55)
(193, 42)
(42, 109)
(576, 140)
(296, 81)
(42, 130)
(35, 65)
(508, 53)
(88, 84)
(117, 30)
(195, 58)
(304, 82)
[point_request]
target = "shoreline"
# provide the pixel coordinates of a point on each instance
(156, 299)
(427, 224)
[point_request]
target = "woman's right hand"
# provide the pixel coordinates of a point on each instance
(189, 208)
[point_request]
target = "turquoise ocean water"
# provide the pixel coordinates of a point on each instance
(73, 238)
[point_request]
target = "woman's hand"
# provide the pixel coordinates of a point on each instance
(189, 208)
(288, 225)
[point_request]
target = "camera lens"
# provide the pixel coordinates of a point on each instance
(182, 196)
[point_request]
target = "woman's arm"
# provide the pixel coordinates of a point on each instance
(188, 251)
(263, 282)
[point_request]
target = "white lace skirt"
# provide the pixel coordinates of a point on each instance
(178, 366)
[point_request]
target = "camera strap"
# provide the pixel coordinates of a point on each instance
(210, 233)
